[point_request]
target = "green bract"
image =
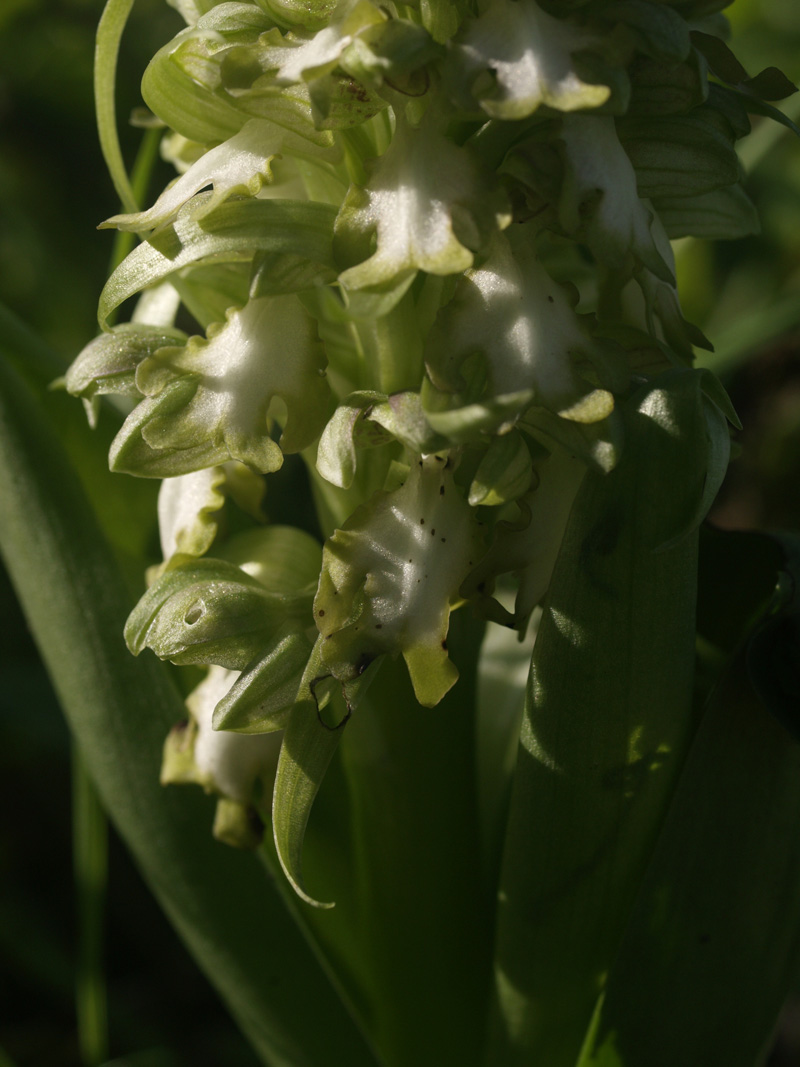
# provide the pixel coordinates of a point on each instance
(425, 248)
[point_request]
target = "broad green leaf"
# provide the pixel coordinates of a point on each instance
(411, 779)
(606, 727)
(715, 917)
(120, 709)
(233, 232)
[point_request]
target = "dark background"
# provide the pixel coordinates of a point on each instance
(53, 192)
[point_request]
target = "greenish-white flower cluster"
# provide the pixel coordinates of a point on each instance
(426, 247)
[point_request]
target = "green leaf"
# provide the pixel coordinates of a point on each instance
(233, 232)
(119, 709)
(309, 743)
(716, 916)
(606, 726)
(109, 34)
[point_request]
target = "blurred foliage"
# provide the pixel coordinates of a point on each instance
(745, 295)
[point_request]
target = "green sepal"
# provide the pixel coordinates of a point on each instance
(108, 363)
(723, 214)
(694, 438)
(660, 32)
(308, 14)
(237, 825)
(284, 559)
(210, 611)
(504, 473)
(309, 743)
(238, 167)
(668, 88)
(182, 83)
(529, 548)
(233, 232)
(261, 699)
(769, 84)
(680, 155)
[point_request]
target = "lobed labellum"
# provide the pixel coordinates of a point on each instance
(209, 402)
(391, 576)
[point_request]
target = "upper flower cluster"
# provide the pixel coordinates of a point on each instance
(427, 246)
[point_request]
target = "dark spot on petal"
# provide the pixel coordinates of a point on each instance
(441, 490)
(378, 625)
(433, 533)
(444, 645)
(422, 522)
(444, 539)
(481, 586)
(550, 299)
(321, 612)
